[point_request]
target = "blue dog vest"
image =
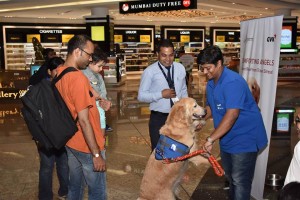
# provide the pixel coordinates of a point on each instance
(167, 148)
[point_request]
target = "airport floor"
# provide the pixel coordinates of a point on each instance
(128, 149)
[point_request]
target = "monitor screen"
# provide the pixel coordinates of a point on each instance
(34, 69)
(98, 33)
(289, 36)
(286, 37)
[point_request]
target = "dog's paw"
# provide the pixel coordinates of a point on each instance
(202, 122)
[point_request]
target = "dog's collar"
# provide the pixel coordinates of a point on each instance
(168, 148)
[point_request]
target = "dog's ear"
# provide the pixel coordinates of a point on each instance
(177, 115)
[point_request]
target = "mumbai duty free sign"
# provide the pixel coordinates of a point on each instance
(156, 5)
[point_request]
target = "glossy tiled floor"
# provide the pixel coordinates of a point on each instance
(127, 147)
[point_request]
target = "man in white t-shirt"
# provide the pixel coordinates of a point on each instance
(293, 173)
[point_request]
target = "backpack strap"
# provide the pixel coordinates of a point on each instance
(57, 78)
(67, 70)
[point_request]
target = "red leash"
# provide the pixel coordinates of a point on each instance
(212, 160)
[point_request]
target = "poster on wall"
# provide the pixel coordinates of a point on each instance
(145, 38)
(184, 38)
(30, 36)
(66, 37)
(259, 63)
(118, 38)
(220, 38)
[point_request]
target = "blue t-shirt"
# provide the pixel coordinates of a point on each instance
(248, 133)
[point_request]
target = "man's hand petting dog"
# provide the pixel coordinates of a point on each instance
(207, 146)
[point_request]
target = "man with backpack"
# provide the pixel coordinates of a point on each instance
(48, 157)
(86, 153)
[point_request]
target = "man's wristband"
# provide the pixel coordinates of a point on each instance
(208, 139)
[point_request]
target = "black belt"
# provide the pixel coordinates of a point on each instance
(159, 113)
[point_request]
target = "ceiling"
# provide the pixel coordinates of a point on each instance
(209, 12)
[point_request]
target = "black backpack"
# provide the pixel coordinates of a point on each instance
(46, 114)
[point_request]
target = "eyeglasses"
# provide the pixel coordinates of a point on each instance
(89, 54)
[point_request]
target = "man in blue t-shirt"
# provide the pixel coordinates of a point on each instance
(237, 120)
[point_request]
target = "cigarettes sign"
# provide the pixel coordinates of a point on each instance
(156, 5)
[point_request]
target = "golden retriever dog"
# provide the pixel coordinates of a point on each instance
(254, 88)
(160, 179)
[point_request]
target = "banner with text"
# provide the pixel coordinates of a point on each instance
(259, 62)
(155, 5)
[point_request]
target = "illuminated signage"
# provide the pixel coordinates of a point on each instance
(184, 32)
(155, 6)
(130, 32)
(11, 94)
(50, 31)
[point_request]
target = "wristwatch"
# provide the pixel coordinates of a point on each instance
(208, 139)
(96, 155)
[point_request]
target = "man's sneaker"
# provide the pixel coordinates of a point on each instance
(108, 128)
(62, 197)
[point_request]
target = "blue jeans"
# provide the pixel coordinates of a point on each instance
(239, 170)
(47, 160)
(82, 172)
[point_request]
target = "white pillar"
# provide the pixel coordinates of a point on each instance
(99, 12)
(283, 11)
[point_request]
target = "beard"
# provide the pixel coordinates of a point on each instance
(83, 65)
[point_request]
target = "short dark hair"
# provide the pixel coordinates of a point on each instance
(290, 191)
(99, 55)
(54, 62)
(165, 43)
(78, 41)
(210, 55)
(46, 51)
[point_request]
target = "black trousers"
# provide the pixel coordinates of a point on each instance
(157, 120)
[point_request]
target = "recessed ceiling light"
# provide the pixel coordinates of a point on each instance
(211, 9)
(245, 13)
(260, 14)
(233, 3)
(266, 8)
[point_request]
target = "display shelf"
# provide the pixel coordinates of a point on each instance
(113, 73)
(289, 67)
(16, 52)
(230, 50)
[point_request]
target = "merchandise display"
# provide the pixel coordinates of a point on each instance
(19, 56)
(114, 72)
(137, 45)
(228, 41)
(289, 66)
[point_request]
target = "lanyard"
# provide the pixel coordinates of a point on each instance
(170, 82)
